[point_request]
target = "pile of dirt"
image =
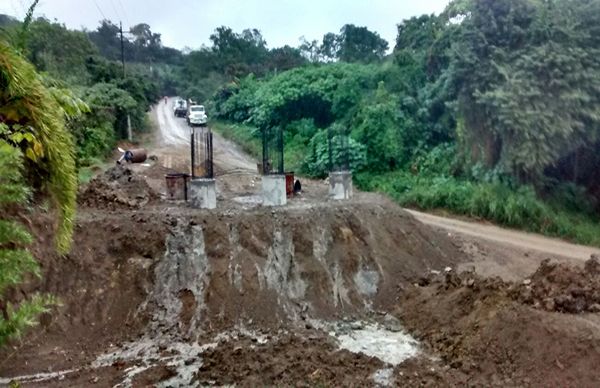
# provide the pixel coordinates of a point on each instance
(288, 361)
(118, 188)
(179, 275)
(485, 330)
(100, 284)
(563, 288)
(271, 267)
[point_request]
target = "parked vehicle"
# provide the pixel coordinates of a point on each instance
(180, 108)
(197, 115)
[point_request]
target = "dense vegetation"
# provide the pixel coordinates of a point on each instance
(74, 61)
(36, 157)
(489, 110)
(15, 260)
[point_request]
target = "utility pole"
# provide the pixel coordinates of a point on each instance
(129, 131)
(122, 48)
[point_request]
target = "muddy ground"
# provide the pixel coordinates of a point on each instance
(317, 293)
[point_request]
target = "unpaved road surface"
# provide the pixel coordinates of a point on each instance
(174, 138)
(511, 238)
(496, 251)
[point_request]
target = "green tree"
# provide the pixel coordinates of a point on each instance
(34, 119)
(285, 58)
(53, 48)
(106, 39)
(238, 53)
(377, 127)
(15, 260)
(112, 104)
(352, 44)
(529, 74)
(358, 44)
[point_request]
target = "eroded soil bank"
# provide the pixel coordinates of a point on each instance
(155, 293)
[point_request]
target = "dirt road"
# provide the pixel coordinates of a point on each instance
(509, 237)
(510, 254)
(174, 137)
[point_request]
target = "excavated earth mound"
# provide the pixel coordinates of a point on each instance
(100, 285)
(269, 267)
(117, 188)
(488, 331)
(164, 293)
(562, 288)
(148, 279)
(289, 361)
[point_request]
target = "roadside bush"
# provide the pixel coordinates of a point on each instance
(95, 138)
(316, 164)
(441, 160)
(377, 126)
(112, 104)
(235, 101)
(15, 260)
(497, 202)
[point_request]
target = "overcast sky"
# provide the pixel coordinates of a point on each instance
(190, 22)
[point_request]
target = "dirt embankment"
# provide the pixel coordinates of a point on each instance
(116, 189)
(100, 285)
(293, 360)
(141, 268)
(491, 332)
(266, 268)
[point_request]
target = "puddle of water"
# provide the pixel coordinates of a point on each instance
(36, 378)
(371, 339)
(183, 357)
(383, 377)
(391, 345)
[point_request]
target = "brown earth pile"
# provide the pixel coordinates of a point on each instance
(271, 267)
(563, 288)
(288, 361)
(118, 188)
(141, 271)
(100, 285)
(488, 334)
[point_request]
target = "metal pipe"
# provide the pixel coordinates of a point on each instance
(280, 150)
(192, 148)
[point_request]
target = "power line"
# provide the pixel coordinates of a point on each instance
(115, 10)
(125, 13)
(100, 10)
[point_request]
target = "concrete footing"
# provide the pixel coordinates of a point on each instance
(203, 193)
(273, 190)
(340, 185)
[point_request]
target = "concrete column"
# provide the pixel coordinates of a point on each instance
(203, 193)
(273, 190)
(340, 185)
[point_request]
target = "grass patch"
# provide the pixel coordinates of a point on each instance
(520, 208)
(87, 173)
(248, 138)
(243, 135)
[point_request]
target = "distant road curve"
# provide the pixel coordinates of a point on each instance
(524, 240)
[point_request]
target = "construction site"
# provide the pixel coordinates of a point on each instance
(319, 289)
